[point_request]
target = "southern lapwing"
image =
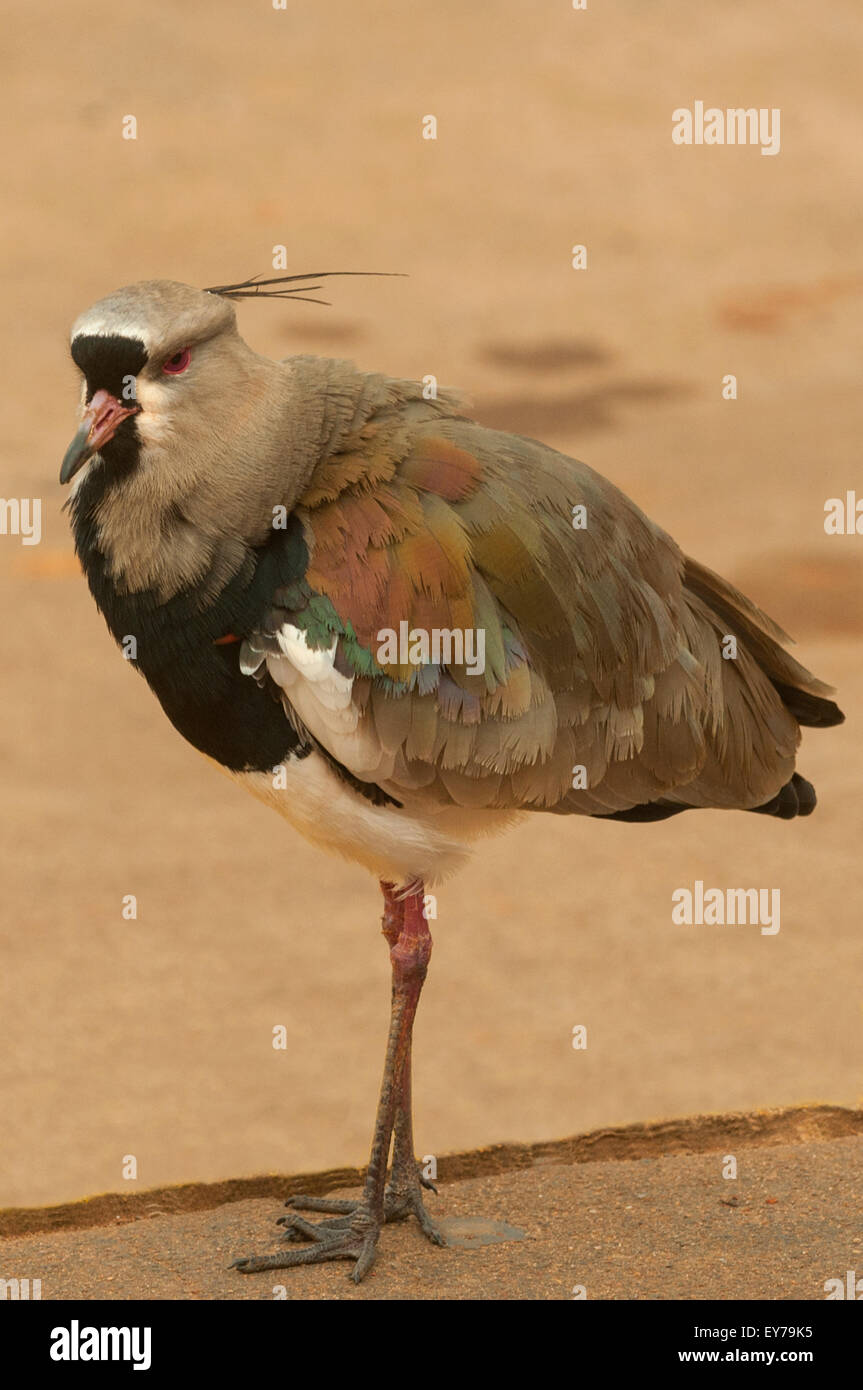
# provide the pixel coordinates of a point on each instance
(403, 631)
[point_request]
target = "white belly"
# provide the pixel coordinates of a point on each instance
(401, 845)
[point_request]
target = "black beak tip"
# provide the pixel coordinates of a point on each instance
(77, 454)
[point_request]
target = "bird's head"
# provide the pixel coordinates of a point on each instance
(150, 354)
(169, 382)
(187, 435)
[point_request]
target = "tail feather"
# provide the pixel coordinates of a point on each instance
(801, 692)
(796, 798)
(810, 710)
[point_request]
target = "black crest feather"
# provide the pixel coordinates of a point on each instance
(286, 286)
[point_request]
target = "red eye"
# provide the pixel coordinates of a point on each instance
(178, 363)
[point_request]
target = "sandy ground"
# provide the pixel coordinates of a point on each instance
(152, 1038)
(561, 1223)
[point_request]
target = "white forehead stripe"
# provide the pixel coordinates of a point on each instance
(111, 328)
(159, 314)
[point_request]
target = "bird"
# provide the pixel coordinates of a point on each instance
(403, 631)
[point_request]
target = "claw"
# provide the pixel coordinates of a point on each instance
(351, 1233)
(338, 1204)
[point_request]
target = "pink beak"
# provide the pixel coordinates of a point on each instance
(99, 423)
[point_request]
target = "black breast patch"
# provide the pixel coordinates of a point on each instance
(184, 654)
(181, 652)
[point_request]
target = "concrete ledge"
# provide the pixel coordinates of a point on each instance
(639, 1212)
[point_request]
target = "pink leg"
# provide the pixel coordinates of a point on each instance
(353, 1233)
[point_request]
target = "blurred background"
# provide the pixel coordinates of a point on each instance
(259, 127)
